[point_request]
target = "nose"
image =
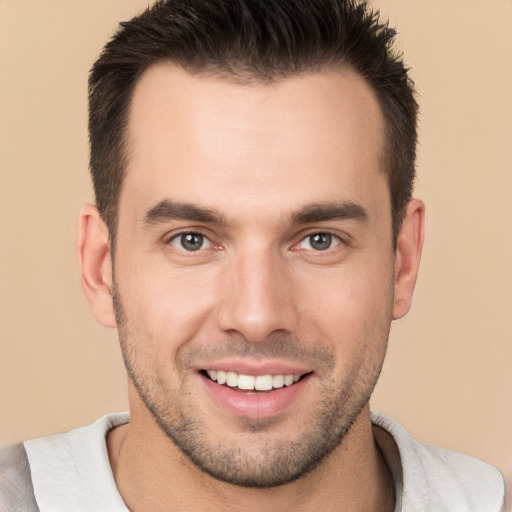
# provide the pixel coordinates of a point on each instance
(257, 297)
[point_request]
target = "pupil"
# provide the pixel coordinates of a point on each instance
(192, 241)
(320, 241)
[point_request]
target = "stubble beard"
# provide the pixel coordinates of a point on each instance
(274, 462)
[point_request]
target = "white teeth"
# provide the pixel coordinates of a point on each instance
(288, 380)
(232, 379)
(249, 382)
(246, 382)
(278, 381)
(263, 382)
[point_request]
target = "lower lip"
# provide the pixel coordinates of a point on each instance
(255, 405)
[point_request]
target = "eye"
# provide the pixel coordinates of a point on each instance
(319, 241)
(190, 242)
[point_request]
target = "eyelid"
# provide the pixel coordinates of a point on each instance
(185, 230)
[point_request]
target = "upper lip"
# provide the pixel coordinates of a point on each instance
(255, 368)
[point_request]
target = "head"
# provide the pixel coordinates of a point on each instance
(250, 41)
(253, 161)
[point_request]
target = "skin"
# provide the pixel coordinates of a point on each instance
(258, 158)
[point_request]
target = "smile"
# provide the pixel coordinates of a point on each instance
(252, 382)
(256, 393)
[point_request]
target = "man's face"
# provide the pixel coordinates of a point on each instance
(254, 245)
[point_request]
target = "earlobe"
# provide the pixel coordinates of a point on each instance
(408, 255)
(93, 251)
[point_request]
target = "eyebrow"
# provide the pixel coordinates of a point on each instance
(321, 212)
(167, 210)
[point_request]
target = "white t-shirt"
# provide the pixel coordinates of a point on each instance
(71, 472)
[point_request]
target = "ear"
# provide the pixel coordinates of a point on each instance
(408, 255)
(93, 251)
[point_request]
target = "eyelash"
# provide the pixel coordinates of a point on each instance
(332, 238)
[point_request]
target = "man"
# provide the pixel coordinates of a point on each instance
(254, 236)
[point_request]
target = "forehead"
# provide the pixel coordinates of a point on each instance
(207, 137)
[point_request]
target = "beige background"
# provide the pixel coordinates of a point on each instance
(448, 374)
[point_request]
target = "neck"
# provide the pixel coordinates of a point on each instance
(151, 473)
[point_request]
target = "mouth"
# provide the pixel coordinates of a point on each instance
(257, 393)
(248, 383)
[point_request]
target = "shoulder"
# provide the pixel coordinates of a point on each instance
(71, 471)
(16, 490)
(68, 447)
(441, 479)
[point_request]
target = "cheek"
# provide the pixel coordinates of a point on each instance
(350, 292)
(163, 304)
(348, 308)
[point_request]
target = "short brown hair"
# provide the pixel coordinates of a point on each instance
(262, 40)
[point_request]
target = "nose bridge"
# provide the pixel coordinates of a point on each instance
(256, 299)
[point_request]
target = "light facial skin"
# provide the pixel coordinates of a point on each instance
(255, 282)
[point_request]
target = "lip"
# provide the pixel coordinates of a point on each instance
(254, 368)
(258, 404)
